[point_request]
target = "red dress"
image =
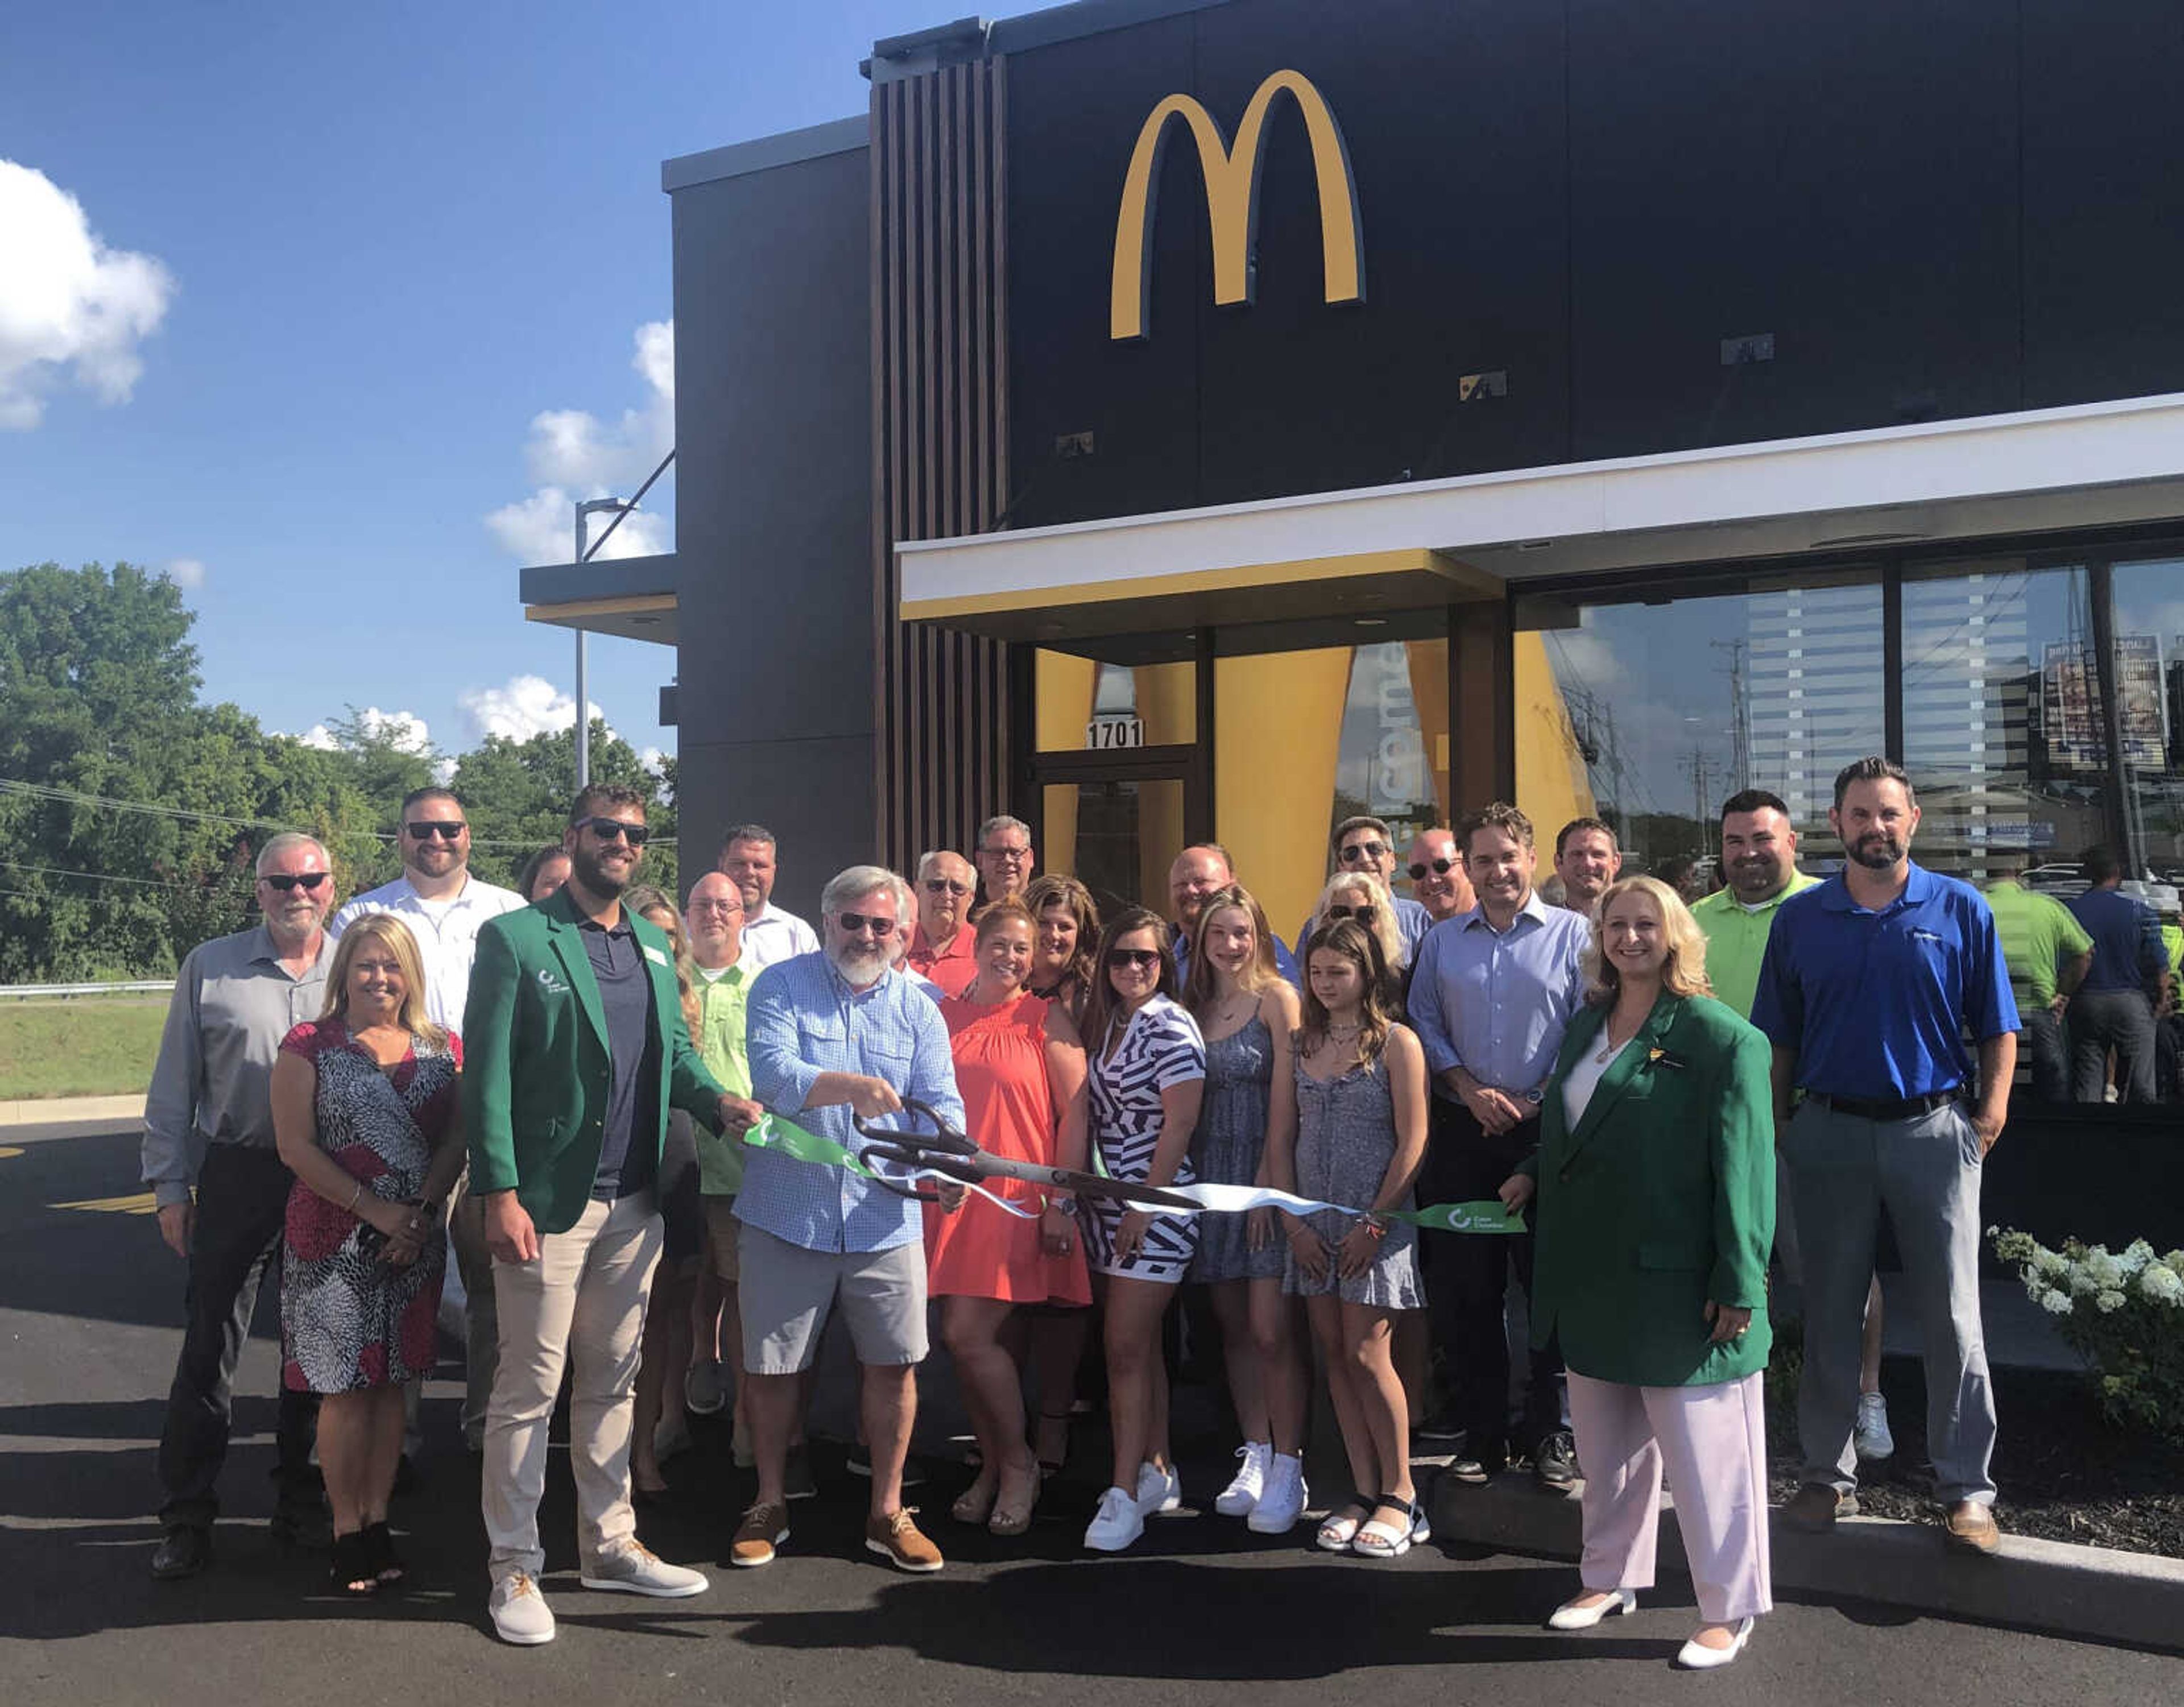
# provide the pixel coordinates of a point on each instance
(983, 1251)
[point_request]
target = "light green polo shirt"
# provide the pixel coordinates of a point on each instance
(2035, 931)
(2172, 940)
(1736, 939)
(720, 1041)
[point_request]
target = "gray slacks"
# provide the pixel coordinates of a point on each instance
(2120, 1019)
(1843, 1169)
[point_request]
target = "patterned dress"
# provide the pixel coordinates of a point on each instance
(1226, 1148)
(1161, 1047)
(1345, 1139)
(349, 1322)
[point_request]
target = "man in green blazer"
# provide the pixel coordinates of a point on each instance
(574, 1049)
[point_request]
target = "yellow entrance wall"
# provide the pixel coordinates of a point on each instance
(1277, 732)
(1064, 686)
(1553, 787)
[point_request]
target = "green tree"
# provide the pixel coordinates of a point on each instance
(517, 794)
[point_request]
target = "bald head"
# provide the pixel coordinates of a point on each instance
(1198, 871)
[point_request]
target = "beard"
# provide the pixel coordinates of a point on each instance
(1877, 851)
(858, 963)
(587, 863)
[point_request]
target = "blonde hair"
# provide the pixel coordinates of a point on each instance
(1202, 981)
(645, 900)
(384, 927)
(1683, 972)
(1384, 930)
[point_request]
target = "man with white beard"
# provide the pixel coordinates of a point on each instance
(831, 1036)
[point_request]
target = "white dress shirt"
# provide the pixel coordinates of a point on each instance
(774, 936)
(446, 933)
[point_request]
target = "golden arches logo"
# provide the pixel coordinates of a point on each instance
(1232, 201)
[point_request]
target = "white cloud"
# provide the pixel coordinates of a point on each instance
(521, 707)
(405, 729)
(572, 454)
(319, 736)
(70, 307)
(187, 573)
(654, 759)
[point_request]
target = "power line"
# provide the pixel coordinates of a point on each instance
(98, 877)
(42, 791)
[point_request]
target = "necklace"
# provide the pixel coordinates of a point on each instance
(1336, 1034)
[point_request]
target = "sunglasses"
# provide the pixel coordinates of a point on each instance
(945, 886)
(1440, 868)
(1140, 957)
(1363, 850)
(856, 924)
(1340, 911)
(446, 831)
(613, 829)
(285, 883)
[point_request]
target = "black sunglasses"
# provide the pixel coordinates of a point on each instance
(1363, 850)
(945, 886)
(1339, 910)
(609, 829)
(284, 882)
(1440, 868)
(855, 924)
(447, 831)
(1140, 957)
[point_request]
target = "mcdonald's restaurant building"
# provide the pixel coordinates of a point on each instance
(1172, 419)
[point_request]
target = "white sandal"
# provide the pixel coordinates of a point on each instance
(1339, 1529)
(1377, 1540)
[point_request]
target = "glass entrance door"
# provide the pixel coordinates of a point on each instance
(1117, 836)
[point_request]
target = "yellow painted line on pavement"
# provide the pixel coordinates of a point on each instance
(7, 1150)
(141, 1203)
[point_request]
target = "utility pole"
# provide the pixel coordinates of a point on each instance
(1698, 765)
(585, 511)
(1740, 714)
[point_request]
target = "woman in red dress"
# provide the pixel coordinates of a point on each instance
(1021, 1069)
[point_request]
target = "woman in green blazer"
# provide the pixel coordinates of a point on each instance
(1655, 1186)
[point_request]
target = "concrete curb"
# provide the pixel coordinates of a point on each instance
(2091, 1593)
(47, 1111)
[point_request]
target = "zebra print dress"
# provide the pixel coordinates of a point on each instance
(1161, 1047)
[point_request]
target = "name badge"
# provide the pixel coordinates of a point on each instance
(654, 955)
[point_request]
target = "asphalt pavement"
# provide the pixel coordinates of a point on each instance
(1200, 1612)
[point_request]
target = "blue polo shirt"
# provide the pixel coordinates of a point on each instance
(1876, 1004)
(2126, 939)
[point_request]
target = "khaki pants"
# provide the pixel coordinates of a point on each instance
(581, 1303)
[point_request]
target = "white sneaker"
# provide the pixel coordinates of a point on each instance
(704, 1392)
(1158, 1489)
(633, 1568)
(519, 1613)
(1237, 1499)
(1283, 1500)
(1871, 1436)
(1117, 1523)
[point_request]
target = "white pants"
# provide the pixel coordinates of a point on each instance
(1712, 1442)
(580, 1302)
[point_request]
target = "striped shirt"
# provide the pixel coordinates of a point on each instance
(802, 1021)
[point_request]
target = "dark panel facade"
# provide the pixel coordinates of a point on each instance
(773, 419)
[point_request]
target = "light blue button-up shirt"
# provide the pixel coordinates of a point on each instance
(803, 1019)
(1495, 1003)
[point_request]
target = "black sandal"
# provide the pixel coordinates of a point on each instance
(379, 1550)
(352, 1565)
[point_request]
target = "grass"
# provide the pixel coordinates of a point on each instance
(84, 1047)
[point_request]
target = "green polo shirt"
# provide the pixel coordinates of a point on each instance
(1736, 939)
(2036, 932)
(719, 1042)
(2172, 943)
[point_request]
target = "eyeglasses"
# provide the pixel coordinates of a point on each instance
(1140, 959)
(614, 829)
(1440, 868)
(446, 831)
(1363, 850)
(1339, 911)
(710, 906)
(856, 924)
(1013, 855)
(945, 886)
(285, 883)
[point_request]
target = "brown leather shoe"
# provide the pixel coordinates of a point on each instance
(1971, 1527)
(764, 1528)
(896, 1539)
(1814, 1507)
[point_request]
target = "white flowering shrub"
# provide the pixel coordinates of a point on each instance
(2122, 1311)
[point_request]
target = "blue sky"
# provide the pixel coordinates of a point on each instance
(391, 238)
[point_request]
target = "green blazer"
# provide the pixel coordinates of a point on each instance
(536, 1063)
(1661, 1198)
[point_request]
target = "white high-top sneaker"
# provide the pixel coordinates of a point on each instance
(1237, 1499)
(1282, 1500)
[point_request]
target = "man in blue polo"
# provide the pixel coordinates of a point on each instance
(2112, 1009)
(1491, 994)
(1869, 982)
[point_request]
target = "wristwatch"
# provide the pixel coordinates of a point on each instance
(1066, 1206)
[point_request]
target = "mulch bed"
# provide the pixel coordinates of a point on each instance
(2064, 1472)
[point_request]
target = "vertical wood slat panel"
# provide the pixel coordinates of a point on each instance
(939, 449)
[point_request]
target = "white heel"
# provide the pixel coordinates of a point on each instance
(1570, 1615)
(1692, 1656)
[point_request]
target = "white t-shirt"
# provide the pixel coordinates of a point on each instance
(446, 932)
(774, 936)
(1584, 1079)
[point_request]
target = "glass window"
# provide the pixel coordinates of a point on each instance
(1649, 716)
(2149, 677)
(1076, 694)
(1391, 760)
(2003, 729)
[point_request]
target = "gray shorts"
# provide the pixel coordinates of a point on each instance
(788, 1292)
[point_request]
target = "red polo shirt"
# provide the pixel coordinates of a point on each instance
(952, 969)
